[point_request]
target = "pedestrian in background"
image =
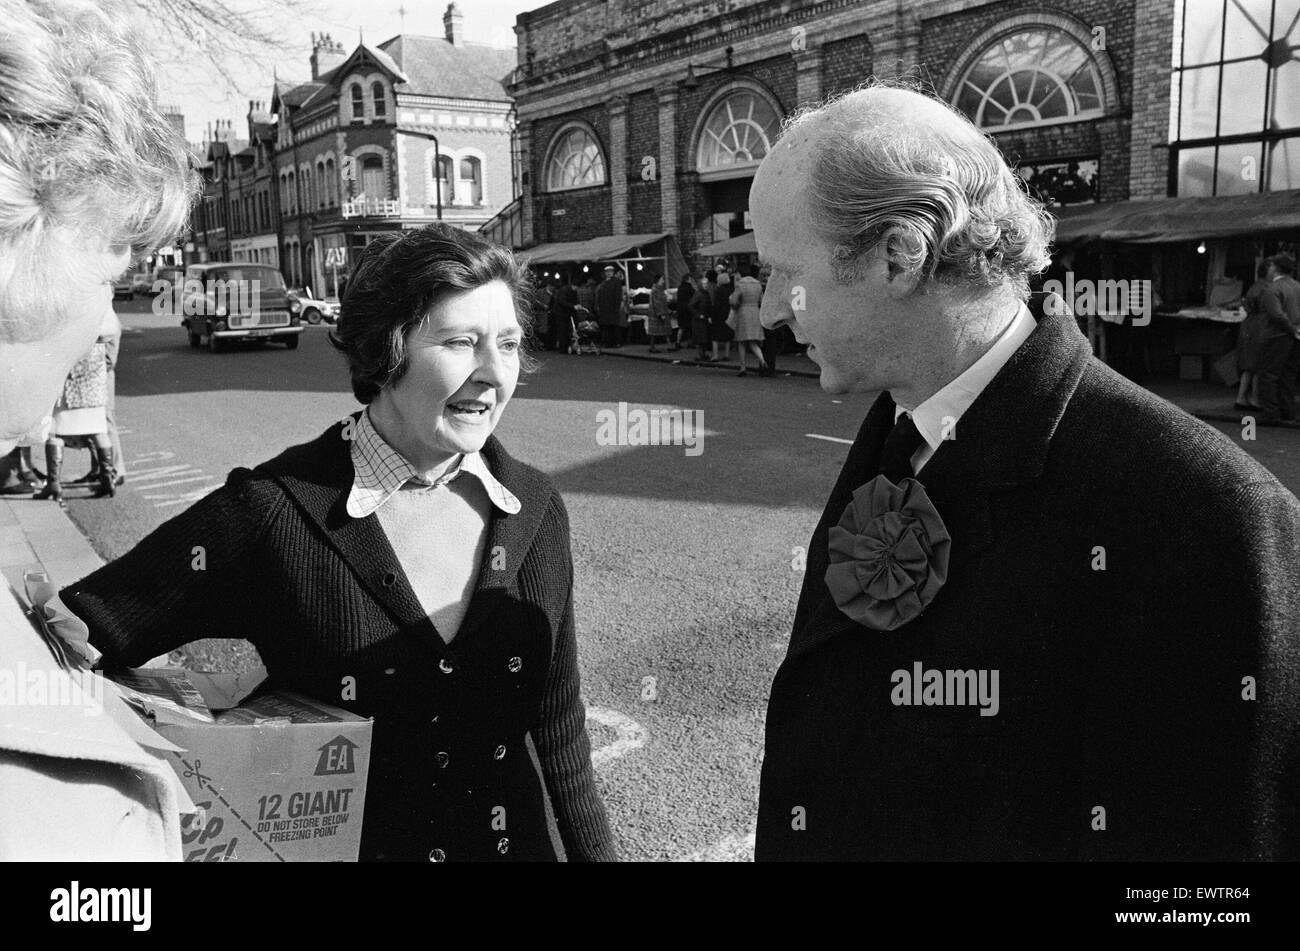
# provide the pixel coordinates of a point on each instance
(720, 331)
(80, 416)
(1278, 364)
(1248, 340)
(659, 323)
(542, 312)
(563, 298)
(745, 302)
(682, 308)
(701, 307)
(611, 308)
(110, 332)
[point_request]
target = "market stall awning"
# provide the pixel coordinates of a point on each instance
(617, 247)
(1162, 220)
(604, 248)
(741, 244)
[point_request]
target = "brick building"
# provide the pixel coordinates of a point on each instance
(395, 135)
(641, 116)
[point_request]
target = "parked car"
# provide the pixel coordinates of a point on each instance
(311, 308)
(122, 287)
(227, 302)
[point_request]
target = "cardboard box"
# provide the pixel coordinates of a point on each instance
(279, 778)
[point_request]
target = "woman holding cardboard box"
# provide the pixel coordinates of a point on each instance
(402, 566)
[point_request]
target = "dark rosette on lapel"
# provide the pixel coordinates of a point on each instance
(888, 554)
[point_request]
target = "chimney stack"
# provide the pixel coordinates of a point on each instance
(326, 54)
(453, 24)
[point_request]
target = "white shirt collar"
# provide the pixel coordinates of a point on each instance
(380, 471)
(936, 418)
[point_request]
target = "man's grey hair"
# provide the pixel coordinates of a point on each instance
(86, 157)
(957, 211)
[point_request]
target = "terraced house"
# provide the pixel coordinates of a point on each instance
(395, 135)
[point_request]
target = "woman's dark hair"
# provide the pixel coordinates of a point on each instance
(398, 278)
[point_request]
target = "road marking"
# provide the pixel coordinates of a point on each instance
(201, 477)
(162, 472)
(847, 442)
(737, 847)
(190, 496)
(631, 735)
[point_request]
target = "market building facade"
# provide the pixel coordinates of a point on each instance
(639, 117)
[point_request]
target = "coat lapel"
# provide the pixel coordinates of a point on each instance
(318, 476)
(1000, 441)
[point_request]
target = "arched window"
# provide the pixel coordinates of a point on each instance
(293, 195)
(381, 105)
(1029, 77)
(575, 161)
(737, 133)
(471, 180)
(358, 102)
(321, 197)
(443, 180)
(373, 183)
(332, 183)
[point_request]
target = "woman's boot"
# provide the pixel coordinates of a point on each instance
(106, 473)
(53, 462)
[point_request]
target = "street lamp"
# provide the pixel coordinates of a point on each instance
(691, 83)
(437, 163)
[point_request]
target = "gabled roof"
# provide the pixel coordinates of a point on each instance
(293, 94)
(329, 82)
(435, 67)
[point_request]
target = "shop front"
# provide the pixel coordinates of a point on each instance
(1193, 258)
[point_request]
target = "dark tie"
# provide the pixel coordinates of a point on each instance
(896, 457)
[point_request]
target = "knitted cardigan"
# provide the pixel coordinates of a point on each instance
(480, 749)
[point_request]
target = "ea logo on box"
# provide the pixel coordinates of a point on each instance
(336, 757)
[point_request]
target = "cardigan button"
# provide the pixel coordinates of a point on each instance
(499, 753)
(516, 664)
(437, 855)
(442, 759)
(503, 845)
(445, 666)
(390, 579)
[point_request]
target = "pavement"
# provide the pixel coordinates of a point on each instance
(42, 536)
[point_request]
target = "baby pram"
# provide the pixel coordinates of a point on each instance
(584, 332)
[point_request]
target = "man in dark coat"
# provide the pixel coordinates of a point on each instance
(1046, 615)
(1279, 343)
(611, 308)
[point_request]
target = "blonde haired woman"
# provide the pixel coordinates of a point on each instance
(91, 175)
